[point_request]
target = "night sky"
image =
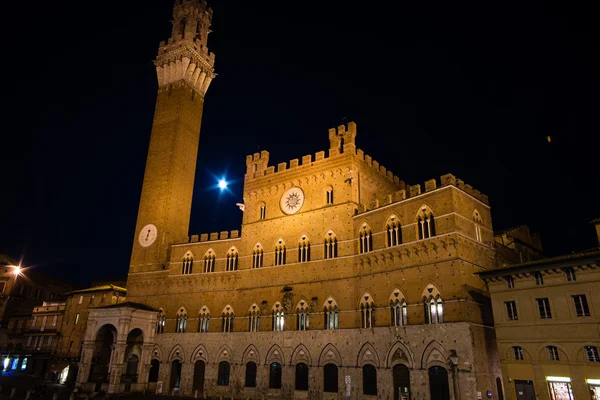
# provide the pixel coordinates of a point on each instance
(472, 88)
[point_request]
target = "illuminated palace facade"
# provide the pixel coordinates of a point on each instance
(344, 282)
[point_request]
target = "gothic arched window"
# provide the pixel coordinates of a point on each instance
(365, 239)
(232, 260)
(187, 263)
(394, 231)
(367, 313)
(209, 261)
(331, 314)
(203, 320)
(302, 316)
(254, 318)
(303, 250)
(330, 246)
(257, 256)
(278, 317)
(160, 322)
(433, 305)
(398, 309)
(280, 252)
(329, 195)
(425, 223)
(181, 321)
(227, 316)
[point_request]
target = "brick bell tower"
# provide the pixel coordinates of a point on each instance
(185, 69)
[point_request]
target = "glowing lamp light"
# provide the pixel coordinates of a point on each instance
(222, 184)
(17, 270)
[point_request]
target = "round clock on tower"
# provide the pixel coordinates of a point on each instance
(292, 200)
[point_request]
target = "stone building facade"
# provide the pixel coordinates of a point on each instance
(547, 318)
(344, 282)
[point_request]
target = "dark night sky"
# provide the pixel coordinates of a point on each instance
(472, 88)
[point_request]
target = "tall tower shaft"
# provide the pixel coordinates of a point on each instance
(184, 70)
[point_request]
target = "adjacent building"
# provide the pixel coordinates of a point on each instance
(547, 319)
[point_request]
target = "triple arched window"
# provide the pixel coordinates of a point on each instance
(425, 223)
(232, 260)
(330, 246)
(227, 319)
(432, 305)
(303, 250)
(254, 318)
(280, 252)
(394, 231)
(187, 263)
(278, 317)
(209, 261)
(330, 314)
(302, 316)
(181, 321)
(203, 320)
(257, 256)
(365, 239)
(367, 311)
(398, 309)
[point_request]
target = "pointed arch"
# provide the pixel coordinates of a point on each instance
(301, 355)
(227, 316)
(303, 249)
(254, 318)
(177, 353)
(224, 354)
(302, 315)
(398, 308)
(209, 261)
(330, 245)
(365, 238)
(257, 256)
(367, 355)
(232, 257)
(433, 355)
(161, 319)
(275, 354)
(399, 353)
(199, 353)
(181, 320)
(425, 222)
(187, 263)
(280, 252)
(433, 306)
(367, 314)
(277, 320)
(331, 314)
(330, 355)
(251, 354)
(393, 231)
(203, 319)
(156, 353)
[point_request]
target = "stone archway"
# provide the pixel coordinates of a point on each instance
(102, 356)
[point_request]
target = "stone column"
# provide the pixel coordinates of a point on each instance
(419, 384)
(116, 367)
(164, 373)
(187, 376)
(85, 363)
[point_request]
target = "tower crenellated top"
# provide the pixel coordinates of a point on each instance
(185, 56)
(342, 139)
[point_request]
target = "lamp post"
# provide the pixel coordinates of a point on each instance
(453, 361)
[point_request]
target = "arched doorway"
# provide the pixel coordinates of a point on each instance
(198, 384)
(103, 346)
(175, 376)
(438, 383)
(154, 368)
(401, 382)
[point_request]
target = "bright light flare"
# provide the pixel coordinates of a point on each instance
(16, 270)
(222, 184)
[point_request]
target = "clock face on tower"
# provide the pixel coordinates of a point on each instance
(292, 200)
(148, 235)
